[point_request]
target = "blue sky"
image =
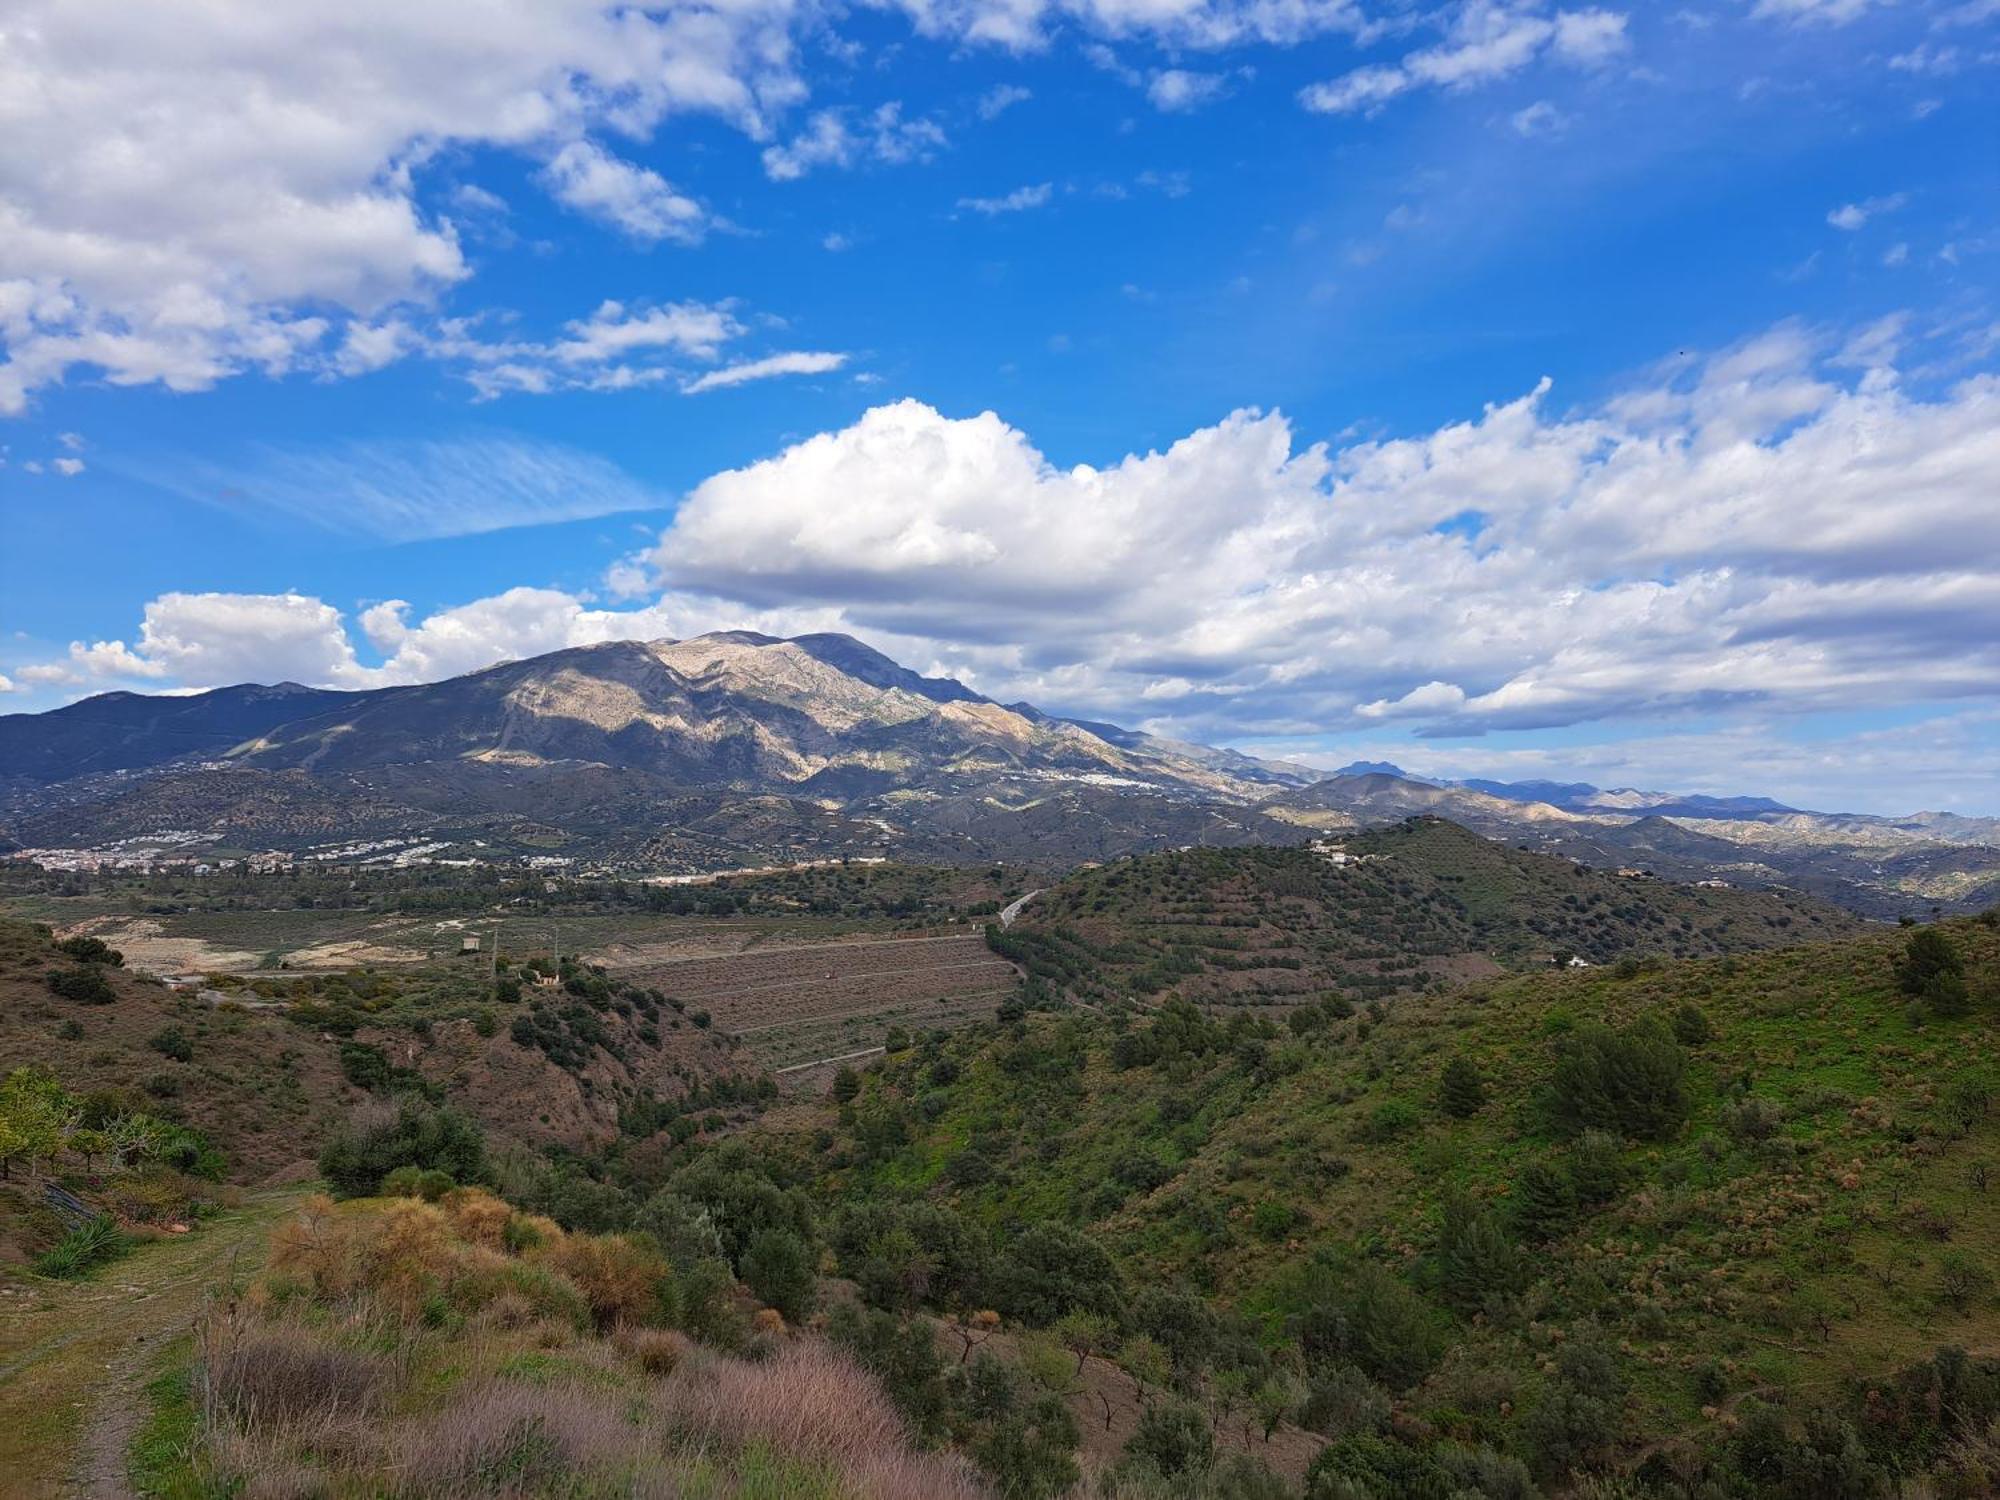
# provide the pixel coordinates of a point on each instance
(378, 347)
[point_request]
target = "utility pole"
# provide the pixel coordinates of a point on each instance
(493, 958)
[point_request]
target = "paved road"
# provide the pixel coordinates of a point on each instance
(1013, 908)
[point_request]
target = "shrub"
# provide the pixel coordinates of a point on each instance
(1173, 1437)
(278, 1375)
(1692, 1027)
(1051, 1269)
(83, 1249)
(171, 1041)
(375, 1141)
(90, 950)
(1388, 1121)
(86, 985)
(620, 1277)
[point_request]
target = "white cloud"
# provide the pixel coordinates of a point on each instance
(1539, 119)
(1177, 91)
(7, 684)
(192, 190)
(414, 491)
(1025, 25)
(1811, 12)
(1785, 526)
(1002, 97)
(797, 362)
(1018, 201)
(69, 468)
(1485, 41)
(586, 177)
(1851, 216)
(833, 139)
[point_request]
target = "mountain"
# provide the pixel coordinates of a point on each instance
(737, 748)
(132, 731)
(731, 748)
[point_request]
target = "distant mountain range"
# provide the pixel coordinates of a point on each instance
(738, 748)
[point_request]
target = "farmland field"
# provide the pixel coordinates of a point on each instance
(801, 1002)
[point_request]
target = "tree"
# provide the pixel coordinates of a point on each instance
(1927, 955)
(1476, 1260)
(85, 984)
(34, 1110)
(1543, 1202)
(1692, 1027)
(1461, 1091)
(846, 1084)
(90, 950)
(1630, 1081)
(778, 1267)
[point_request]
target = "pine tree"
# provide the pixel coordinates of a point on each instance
(1928, 954)
(1476, 1260)
(1461, 1091)
(1543, 1203)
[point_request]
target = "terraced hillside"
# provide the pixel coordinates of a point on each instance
(1411, 907)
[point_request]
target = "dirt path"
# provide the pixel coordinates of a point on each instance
(75, 1357)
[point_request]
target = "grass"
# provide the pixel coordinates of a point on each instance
(163, 1458)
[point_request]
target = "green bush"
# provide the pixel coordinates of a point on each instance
(778, 1267)
(1461, 1091)
(172, 1042)
(364, 1151)
(86, 985)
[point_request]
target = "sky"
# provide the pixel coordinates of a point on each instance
(1508, 389)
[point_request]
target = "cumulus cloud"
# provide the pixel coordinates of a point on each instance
(193, 191)
(835, 138)
(1178, 91)
(1851, 216)
(1002, 97)
(1787, 525)
(1486, 40)
(586, 177)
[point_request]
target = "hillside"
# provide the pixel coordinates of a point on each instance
(1412, 906)
(266, 1067)
(1704, 1223)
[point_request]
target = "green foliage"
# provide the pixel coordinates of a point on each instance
(1630, 1081)
(366, 1149)
(1692, 1028)
(1543, 1202)
(1340, 1312)
(1050, 1270)
(171, 1041)
(86, 1247)
(1461, 1089)
(85, 984)
(1477, 1262)
(1927, 957)
(1173, 1437)
(91, 950)
(1388, 1121)
(779, 1267)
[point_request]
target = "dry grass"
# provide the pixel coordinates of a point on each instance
(811, 1402)
(619, 1277)
(657, 1351)
(501, 1439)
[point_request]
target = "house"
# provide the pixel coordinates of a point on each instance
(468, 944)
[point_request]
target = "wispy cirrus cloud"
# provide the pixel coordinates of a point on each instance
(414, 491)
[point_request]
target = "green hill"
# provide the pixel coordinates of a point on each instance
(1705, 1224)
(1417, 905)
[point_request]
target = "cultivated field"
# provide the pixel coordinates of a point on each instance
(803, 1002)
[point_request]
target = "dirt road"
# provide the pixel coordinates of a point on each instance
(75, 1356)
